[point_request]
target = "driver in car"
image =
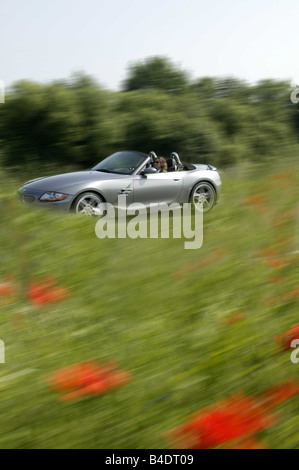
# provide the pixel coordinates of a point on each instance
(160, 165)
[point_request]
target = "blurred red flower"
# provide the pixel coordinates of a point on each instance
(200, 263)
(277, 279)
(232, 423)
(285, 218)
(283, 240)
(254, 200)
(234, 318)
(291, 294)
(237, 417)
(279, 393)
(267, 252)
(45, 292)
(88, 378)
(284, 339)
(281, 176)
(276, 262)
(19, 321)
(284, 298)
(7, 288)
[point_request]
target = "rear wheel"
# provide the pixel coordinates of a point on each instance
(87, 203)
(203, 196)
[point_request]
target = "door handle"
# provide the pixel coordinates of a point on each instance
(176, 179)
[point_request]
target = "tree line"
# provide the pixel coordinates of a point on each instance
(210, 120)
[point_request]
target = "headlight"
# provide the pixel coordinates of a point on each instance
(50, 196)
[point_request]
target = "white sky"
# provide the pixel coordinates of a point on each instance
(48, 39)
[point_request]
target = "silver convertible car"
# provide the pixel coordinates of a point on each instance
(127, 173)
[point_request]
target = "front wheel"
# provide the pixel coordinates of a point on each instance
(203, 196)
(87, 203)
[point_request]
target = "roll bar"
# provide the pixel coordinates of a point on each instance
(153, 156)
(176, 157)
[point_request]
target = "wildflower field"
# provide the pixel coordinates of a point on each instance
(131, 344)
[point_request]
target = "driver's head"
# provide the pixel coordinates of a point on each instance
(160, 163)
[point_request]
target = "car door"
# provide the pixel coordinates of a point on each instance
(157, 187)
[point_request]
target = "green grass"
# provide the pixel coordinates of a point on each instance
(154, 307)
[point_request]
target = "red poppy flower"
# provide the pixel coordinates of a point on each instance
(281, 176)
(88, 378)
(283, 240)
(75, 376)
(233, 422)
(107, 383)
(279, 393)
(41, 293)
(6, 289)
(285, 339)
(291, 294)
(234, 318)
(284, 218)
(200, 263)
(267, 253)
(276, 262)
(18, 321)
(236, 417)
(284, 298)
(276, 279)
(254, 200)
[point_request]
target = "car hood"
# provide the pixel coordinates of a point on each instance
(61, 182)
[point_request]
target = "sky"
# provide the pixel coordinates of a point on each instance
(45, 40)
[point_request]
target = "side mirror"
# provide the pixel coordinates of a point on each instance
(148, 171)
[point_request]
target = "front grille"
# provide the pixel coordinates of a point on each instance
(28, 198)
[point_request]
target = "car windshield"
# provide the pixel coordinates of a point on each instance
(124, 163)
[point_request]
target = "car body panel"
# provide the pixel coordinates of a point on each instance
(158, 187)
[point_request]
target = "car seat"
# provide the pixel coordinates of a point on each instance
(171, 164)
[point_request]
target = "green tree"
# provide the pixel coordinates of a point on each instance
(155, 72)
